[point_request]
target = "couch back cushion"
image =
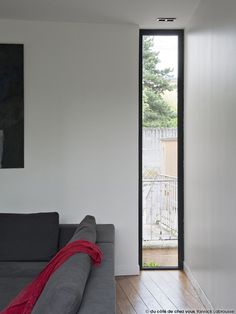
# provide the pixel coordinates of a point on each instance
(105, 233)
(66, 232)
(28, 237)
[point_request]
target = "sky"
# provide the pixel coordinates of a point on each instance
(168, 48)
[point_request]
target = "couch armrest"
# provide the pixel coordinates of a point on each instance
(105, 233)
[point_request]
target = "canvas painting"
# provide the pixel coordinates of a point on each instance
(11, 106)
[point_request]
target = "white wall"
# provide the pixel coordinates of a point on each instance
(210, 150)
(81, 127)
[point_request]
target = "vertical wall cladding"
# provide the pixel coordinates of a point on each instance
(210, 150)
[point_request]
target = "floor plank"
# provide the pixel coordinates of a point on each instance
(177, 288)
(174, 294)
(143, 291)
(122, 302)
(186, 286)
(155, 290)
(134, 298)
(182, 278)
(118, 310)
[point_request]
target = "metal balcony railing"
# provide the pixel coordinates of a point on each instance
(160, 212)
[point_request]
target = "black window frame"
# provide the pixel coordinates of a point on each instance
(180, 128)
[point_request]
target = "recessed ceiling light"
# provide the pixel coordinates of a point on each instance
(166, 19)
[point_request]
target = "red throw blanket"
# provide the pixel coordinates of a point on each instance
(24, 302)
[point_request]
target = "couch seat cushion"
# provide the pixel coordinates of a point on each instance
(21, 269)
(10, 287)
(28, 237)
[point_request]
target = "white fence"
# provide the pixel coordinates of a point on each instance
(152, 151)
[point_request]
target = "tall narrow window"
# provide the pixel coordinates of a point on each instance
(161, 149)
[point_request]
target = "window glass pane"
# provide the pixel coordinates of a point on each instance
(159, 151)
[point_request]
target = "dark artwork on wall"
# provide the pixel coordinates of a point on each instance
(11, 106)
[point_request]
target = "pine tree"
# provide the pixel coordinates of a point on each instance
(156, 111)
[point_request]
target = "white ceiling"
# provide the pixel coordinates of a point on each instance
(139, 12)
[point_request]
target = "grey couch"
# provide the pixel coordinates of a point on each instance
(99, 293)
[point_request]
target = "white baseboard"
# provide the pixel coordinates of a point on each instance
(123, 270)
(197, 287)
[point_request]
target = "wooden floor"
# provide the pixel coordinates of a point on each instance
(154, 291)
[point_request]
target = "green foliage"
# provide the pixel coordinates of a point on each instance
(156, 111)
(150, 264)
